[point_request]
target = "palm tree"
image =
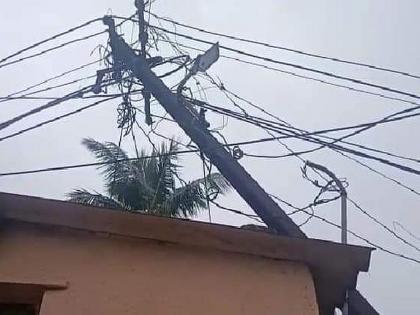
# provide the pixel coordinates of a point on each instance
(147, 184)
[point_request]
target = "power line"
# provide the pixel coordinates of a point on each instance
(77, 166)
(370, 168)
(76, 94)
(381, 248)
(342, 86)
(238, 212)
(325, 144)
(57, 118)
(298, 154)
(41, 124)
(3, 99)
(377, 221)
(49, 39)
(50, 104)
(385, 120)
(331, 138)
(47, 89)
(276, 127)
(46, 98)
(240, 143)
(60, 168)
(373, 218)
(354, 203)
(362, 154)
(313, 215)
(3, 64)
(301, 52)
(385, 227)
(52, 49)
(288, 64)
(395, 223)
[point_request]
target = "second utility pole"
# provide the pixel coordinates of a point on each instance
(343, 194)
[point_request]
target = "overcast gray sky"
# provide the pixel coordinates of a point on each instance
(377, 32)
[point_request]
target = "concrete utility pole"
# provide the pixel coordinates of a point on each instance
(244, 184)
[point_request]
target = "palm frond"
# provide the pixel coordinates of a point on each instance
(185, 201)
(166, 171)
(124, 180)
(87, 198)
(148, 184)
(107, 152)
(115, 167)
(216, 181)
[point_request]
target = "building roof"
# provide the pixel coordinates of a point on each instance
(334, 266)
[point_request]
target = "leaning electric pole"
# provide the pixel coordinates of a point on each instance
(191, 123)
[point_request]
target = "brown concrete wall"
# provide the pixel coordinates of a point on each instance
(111, 275)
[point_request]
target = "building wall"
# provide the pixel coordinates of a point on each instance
(115, 275)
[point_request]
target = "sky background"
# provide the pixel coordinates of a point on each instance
(378, 32)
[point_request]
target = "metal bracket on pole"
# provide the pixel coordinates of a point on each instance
(201, 64)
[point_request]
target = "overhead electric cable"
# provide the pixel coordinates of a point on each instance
(325, 220)
(52, 49)
(50, 39)
(50, 104)
(367, 241)
(3, 99)
(58, 118)
(48, 88)
(342, 86)
(300, 52)
(288, 64)
(307, 137)
(384, 226)
(2, 61)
